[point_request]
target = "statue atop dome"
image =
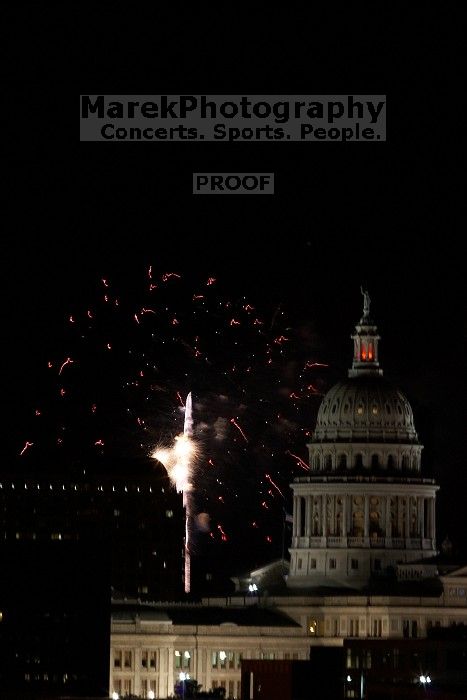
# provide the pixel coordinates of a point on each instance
(366, 302)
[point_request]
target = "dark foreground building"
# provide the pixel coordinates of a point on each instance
(65, 545)
(383, 669)
(320, 677)
(54, 629)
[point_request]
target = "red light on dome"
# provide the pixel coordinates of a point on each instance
(370, 355)
(363, 354)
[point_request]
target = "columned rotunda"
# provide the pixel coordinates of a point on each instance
(365, 506)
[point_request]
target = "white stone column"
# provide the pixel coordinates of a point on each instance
(308, 516)
(137, 676)
(407, 517)
(323, 516)
(295, 516)
(421, 516)
(367, 517)
(432, 518)
(387, 528)
(343, 532)
(399, 517)
(299, 516)
(166, 670)
(349, 514)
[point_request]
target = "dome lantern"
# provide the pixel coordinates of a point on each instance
(365, 359)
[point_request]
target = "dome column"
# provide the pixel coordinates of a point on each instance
(431, 518)
(421, 516)
(387, 528)
(343, 532)
(366, 532)
(295, 511)
(323, 516)
(308, 516)
(407, 518)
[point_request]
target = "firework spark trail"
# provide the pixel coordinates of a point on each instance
(26, 446)
(178, 462)
(68, 361)
(190, 331)
(274, 484)
(234, 422)
(188, 432)
(300, 462)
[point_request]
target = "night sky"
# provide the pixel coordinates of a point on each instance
(385, 215)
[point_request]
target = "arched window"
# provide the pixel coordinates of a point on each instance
(414, 462)
(405, 462)
(374, 461)
(358, 461)
(342, 461)
(328, 462)
(391, 463)
(317, 462)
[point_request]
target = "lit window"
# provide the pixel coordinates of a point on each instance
(169, 513)
(312, 627)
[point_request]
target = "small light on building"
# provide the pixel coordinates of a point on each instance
(177, 653)
(349, 679)
(186, 654)
(115, 696)
(151, 695)
(222, 655)
(252, 587)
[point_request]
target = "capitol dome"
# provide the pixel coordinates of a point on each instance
(364, 506)
(364, 422)
(365, 408)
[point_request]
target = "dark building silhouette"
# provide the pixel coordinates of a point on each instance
(65, 547)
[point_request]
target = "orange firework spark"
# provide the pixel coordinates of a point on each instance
(300, 462)
(68, 361)
(234, 422)
(274, 484)
(223, 535)
(27, 445)
(167, 275)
